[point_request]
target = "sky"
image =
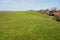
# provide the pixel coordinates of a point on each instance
(19, 5)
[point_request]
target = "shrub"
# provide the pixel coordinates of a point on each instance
(57, 18)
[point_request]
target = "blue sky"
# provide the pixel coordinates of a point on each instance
(16, 5)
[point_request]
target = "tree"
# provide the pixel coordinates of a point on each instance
(53, 9)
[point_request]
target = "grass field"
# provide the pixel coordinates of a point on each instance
(28, 26)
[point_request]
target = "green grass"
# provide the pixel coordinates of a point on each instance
(28, 26)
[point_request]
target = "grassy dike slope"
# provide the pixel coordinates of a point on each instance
(28, 26)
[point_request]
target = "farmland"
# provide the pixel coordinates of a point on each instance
(28, 25)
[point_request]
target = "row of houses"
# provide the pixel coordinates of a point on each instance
(55, 13)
